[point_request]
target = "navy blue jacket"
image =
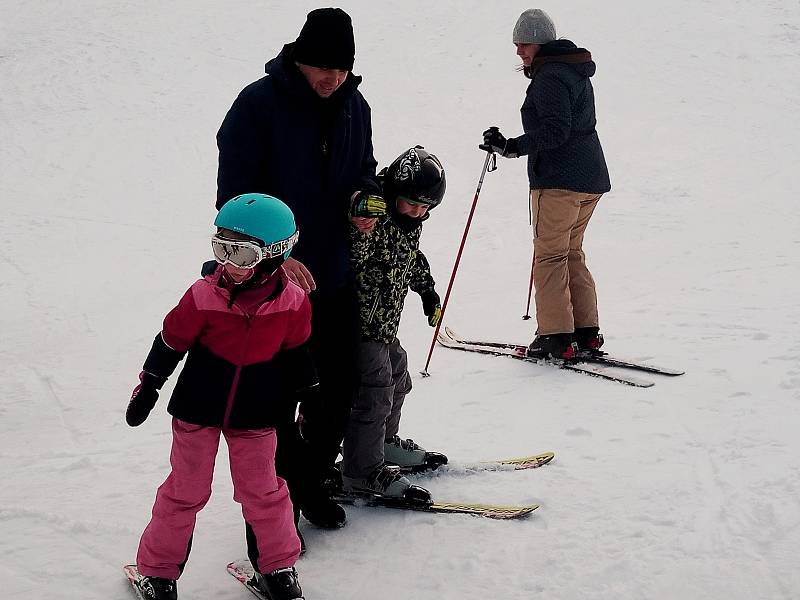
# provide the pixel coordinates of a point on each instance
(558, 117)
(281, 138)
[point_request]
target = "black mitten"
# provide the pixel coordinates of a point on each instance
(143, 398)
(159, 365)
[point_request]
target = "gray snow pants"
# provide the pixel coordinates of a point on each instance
(375, 416)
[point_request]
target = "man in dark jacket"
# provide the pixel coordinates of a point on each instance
(304, 134)
(567, 175)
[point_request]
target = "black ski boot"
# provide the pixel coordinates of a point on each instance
(281, 584)
(158, 588)
(323, 512)
(589, 339)
(555, 345)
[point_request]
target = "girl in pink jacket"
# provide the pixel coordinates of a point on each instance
(243, 330)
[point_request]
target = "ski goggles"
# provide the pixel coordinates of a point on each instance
(246, 254)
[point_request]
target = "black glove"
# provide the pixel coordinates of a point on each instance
(368, 205)
(143, 398)
(432, 307)
(494, 141)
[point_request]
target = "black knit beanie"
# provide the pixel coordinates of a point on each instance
(326, 40)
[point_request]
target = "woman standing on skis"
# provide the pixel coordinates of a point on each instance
(567, 174)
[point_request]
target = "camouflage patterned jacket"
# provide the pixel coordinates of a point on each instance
(387, 262)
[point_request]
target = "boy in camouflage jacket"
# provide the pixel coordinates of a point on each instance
(387, 262)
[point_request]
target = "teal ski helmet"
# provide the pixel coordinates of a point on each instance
(263, 217)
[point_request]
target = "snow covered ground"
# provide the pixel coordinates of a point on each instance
(689, 490)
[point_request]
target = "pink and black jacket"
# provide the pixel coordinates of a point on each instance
(246, 358)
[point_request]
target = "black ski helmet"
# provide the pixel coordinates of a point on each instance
(417, 175)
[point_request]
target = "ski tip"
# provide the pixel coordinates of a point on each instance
(131, 571)
(133, 577)
(525, 462)
(241, 570)
(489, 511)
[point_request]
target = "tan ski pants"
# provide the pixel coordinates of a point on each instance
(565, 291)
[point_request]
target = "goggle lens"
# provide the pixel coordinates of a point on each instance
(241, 254)
(246, 254)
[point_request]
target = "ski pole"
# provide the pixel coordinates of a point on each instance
(491, 158)
(527, 314)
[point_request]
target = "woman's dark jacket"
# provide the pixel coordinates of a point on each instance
(558, 117)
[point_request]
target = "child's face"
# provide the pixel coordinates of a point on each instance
(413, 210)
(237, 274)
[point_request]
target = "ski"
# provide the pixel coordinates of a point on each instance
(243, 571)
(594, 356)
(490, 511)
(514, 464)
(518, 352)
(135, 579)
(132, 573)
(518, 463)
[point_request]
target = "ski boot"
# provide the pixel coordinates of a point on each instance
(589, 339)
(323, 512)
(386, 482)
(281, 584)
(555, 345)
(410, 457)
(158, 588)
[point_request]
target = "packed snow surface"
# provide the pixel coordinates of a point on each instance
(690, 489)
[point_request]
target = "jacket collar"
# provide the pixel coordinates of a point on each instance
(560, 51)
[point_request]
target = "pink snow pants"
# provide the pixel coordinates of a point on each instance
(267, 510)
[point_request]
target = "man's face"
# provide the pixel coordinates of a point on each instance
(323, 81)
(527, 52)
